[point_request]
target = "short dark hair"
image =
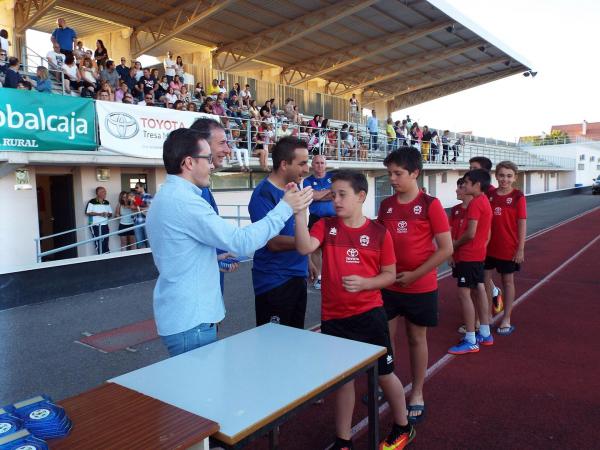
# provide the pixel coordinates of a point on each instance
(460, 181)
(12, 61)
(480, 176)
(205, 127)
(485, 163)
(409, 158)
(98, 189)
(69, 59)
(357, 180)
(180, 144)
(110, 63)
(285, 150)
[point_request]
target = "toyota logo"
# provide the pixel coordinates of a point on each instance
(352, 252)
(121, 125)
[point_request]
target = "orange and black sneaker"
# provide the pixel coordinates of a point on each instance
(498, 301)
(398, 438)
(342, 444)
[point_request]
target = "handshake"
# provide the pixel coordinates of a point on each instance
(296, 198)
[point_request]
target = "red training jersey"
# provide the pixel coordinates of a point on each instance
(457, 219)
(413, 226)
(475, 250)
(507, 211)
(350, 251)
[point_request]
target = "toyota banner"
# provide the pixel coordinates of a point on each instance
(140, 130)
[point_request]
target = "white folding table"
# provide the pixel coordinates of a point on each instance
(254, 381)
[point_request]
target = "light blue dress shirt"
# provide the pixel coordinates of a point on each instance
(372, 124)
(184, 232)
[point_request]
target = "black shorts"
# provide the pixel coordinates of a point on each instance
(286, 303)
(469, 273)
(501, 265)
(420, 309)
(126, 233)
(370, 327)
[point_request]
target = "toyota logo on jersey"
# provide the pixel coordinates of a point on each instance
(497, 211)
(402, 227)
(352, 256)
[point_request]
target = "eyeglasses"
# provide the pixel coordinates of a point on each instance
(149, 98)
(208, 157)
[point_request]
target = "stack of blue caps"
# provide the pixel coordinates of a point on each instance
(21, 440)
(43, 418)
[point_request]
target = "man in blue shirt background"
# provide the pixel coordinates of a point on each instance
(322, 205)
(184, 230)
(65, 36)
(373, 127)
(279, 272)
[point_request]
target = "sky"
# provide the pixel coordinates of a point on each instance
(559, 39)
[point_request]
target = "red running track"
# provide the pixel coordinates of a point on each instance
(538, 388)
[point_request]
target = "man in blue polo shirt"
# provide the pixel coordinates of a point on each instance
(279, 272)
(65, 36)
(322, 205)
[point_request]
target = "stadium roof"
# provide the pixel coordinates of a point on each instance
(403, 51)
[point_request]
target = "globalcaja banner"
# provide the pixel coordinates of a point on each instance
(140, 131)
(30, 121)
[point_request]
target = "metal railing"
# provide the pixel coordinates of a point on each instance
(30, 60)
(41, 254)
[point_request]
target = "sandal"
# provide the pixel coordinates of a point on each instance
(413, 420)
(505, 331)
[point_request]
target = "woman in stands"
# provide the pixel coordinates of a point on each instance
(192, 107)
(89, 77)
(42, 82)
(185, 96)
(426, 143)
(122, 91)
(100, 54)
(124, 210)
(253, 109)
(163, 87)
(176, 84)
(179, 70)
(139, 72)
(265, 111)
(199, 93)
(315, 122)
(207, 106)
(235, 91)
(169, 96)
(72, 80)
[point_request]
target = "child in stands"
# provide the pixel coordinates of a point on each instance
(470, 252)
(358, 260)
(506, 249)
(415, 220)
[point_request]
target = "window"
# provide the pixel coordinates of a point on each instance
(129, 180)
(383, 189)
(580, 166)
(592, 158)
(552, 175)
(581, 157)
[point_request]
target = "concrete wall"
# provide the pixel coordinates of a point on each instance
(116, 42)
(586, 169)
(7, 21)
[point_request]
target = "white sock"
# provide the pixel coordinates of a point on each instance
(495, 292)
(484, 330)
(470, 337)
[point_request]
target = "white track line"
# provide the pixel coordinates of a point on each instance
(443, 361)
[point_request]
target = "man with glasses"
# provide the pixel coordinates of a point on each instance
(148, 100)
(147, 85)
(3, 65)
(183, 231)
(123, 70)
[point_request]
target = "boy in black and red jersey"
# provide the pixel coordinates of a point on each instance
(470, 252)
(506, 249)
(358, 260)
(415, 220)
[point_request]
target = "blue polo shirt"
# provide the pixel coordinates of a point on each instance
(272, 269)
(64, 37)
(325, 208)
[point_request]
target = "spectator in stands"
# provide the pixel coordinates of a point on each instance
(89, 77)
(265, 111)
(128, 98)
(4, 42)
(445, 146)
(274, 108)
(42, 83)
(100, 54)
(139, 72)
(416, 136)
(219, 106)
(426, 144)
(99, 211)
(199, 93)
(3, 64)
(284, 130)
(24, 85)
(124, 210)
(110, 75)
(148, 100)
(121, 92)
(222, 87)
(168, 97)
(170, 66)
(240, 150)
(131, 82)
(235, 90)
(192, 107)
(104, 86)
(253, 109)
(79, 52)
(179, 70)
(142, 201)
(56, 59)
(72, 81)
(213, 89)
(122, 69)
(179, 106)
(64, 36)
(353, 105)
(176, 84)
(147, 84)
(315, 122)
(163, 88)
(245, 95)
(373, 127)
(435, 145)
(391, 134)
(288, 109)
(104, 95)
(258, 148)
(184, 95)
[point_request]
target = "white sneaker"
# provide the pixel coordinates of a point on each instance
(317, 285)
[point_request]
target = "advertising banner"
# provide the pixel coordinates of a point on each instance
(30, 121)
(140, 131)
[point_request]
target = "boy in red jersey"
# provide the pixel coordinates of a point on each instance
(470, 251)
(506, 249)
(358, 260)
(414, 220)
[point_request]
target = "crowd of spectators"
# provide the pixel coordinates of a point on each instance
(252, 129)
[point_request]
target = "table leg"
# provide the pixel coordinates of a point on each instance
(373, 408)
(274, 439)
(200, 445)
